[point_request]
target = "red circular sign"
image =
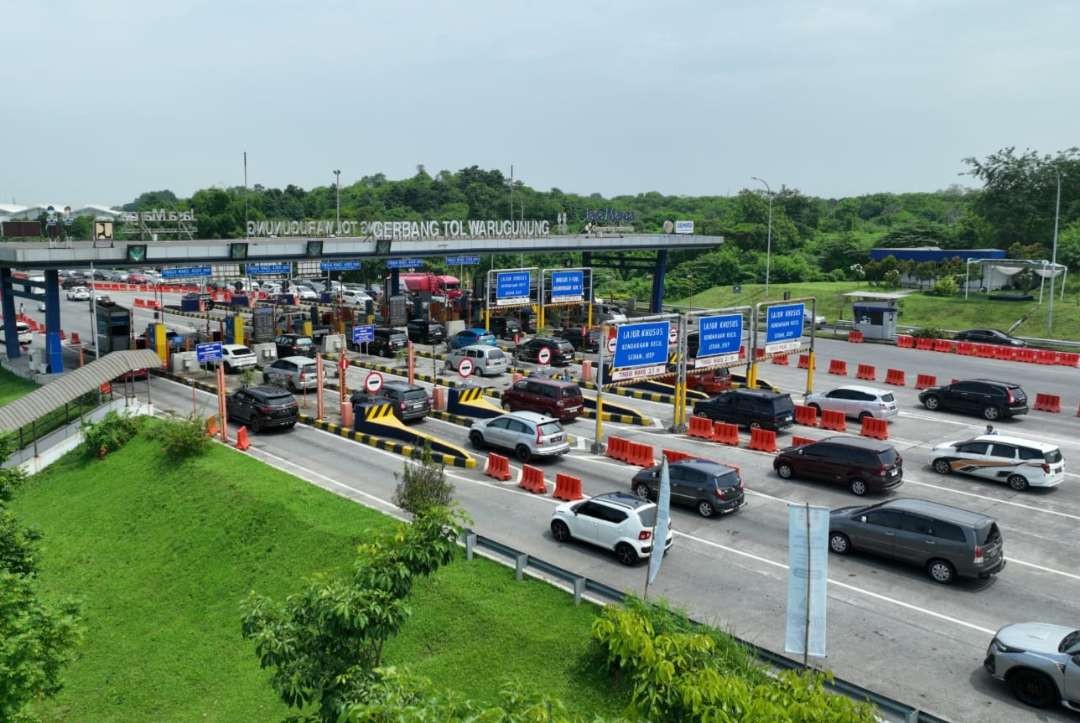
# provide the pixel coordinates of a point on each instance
(373, 382)
(544, 355)
(611, 345)
(465, 367)
(673, 335)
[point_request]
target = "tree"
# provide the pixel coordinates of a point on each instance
(925, 271)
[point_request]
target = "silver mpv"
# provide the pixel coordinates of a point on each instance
(527, 434)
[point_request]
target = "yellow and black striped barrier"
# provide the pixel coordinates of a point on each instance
(165, 374)
(621, 415)
(407, 450)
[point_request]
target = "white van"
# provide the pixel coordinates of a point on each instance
(487, 360)
(1019, 463)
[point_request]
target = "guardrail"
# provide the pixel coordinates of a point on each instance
(580, 586)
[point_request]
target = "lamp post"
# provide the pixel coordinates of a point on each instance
(768, 242)
(1053, 259)
(337, 191)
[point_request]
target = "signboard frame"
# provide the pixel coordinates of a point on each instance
(629, 336)
(723, 351)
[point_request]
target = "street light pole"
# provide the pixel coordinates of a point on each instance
(337, 190)
(1053, 259)
(768, 242)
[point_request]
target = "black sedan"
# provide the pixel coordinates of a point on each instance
(989, 336)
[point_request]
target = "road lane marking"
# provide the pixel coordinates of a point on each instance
(998, 500)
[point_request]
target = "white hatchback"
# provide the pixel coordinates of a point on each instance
(617, 521)
(855, 401)
(1019, 463)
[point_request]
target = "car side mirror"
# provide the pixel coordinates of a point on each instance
(799, 450)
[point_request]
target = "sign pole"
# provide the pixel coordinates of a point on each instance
(221, 403)
(681, 349)
(811, 361)
(598, 445)
(318, 386)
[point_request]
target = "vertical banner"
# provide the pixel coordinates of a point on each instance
(808, 573)
(320, 377)
(663, 517)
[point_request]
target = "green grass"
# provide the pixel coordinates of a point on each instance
(162, 554)
(917, 309)
(12, 386)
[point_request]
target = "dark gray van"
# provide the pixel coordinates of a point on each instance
(946, 541)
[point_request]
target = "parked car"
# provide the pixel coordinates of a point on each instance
(409, 401)
(294, 345)
(616, 521)
(527, 434)
(986, 397)
(562, 400)
(989, 336)
(426, 332)
(858, 463)
(560, 351)
(1039, 661)
(388, 341)
(22, 331)
(486, 360)
(708, 487)
(855, 401)
(468, 337)
(712, 381)
(262, 407)
(354, 297)
(78, 293)
(237, 357)
(305, 293)
(749, 408)
(506, 327)
(946, 541)
(1019, 463)
(292, 372)
(589, 343)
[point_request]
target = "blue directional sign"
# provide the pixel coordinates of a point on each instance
(640, 349)
(783, 323)
(364, 334)
(209, 352)
(512, 287)
(269, 269)
(463, 260)
(339, 265)
(182, 272)
(719, 335)
(403, 263)
(567, 286)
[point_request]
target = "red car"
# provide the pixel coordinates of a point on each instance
(561, 400)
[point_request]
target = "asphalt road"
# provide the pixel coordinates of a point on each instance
(891, 628)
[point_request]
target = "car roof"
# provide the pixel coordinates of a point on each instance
(874, 445)
(297, 359)
(623, 499)
(477, 347)
(549, 380)
(705, 465)
(1011, 385)
(235, 346)
(948, 513)
(759, 393)
(268, 390)
(475, 330)
(864, 389)
(401, 386)
(1018, 441)
(532, 417)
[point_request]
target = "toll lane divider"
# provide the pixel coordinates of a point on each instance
(875, 428)
(406, 450)
(990, 351)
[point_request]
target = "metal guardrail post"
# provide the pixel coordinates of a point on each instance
(579, 589)
(521, 561)
(470, 543)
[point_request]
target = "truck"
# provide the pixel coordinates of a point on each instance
(434, 284)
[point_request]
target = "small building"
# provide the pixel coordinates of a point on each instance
(919, 254)
(874, 313)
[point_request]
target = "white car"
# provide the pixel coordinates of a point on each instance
(356, 298)
(487, 360)
(855, 401)
(237, 357)
(78, 293)
(306, 293)
(1019, 463)
(819, 320)
(617, 521)
(1039, 661)
(22, 331)
(526, 434)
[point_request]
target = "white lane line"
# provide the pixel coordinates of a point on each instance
(927, 418)
(1042, 568)
(1011, 503)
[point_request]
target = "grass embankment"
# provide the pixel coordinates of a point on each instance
(12, 386)
(162, 554)
(917, 309)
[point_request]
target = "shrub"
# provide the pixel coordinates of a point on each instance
(929, 332)
(181, 437)
(423, 485)
(108, 434)
(945, 286)
(891, 279)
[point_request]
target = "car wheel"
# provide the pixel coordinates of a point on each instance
(266, 378)
(560, 531)
(291, 386)
(941, 571)
(942, 466)
(642, 490)
(1018, 482)
(705, 508)
(755, 425)
(476, 439)
(839, 543)
(522, 453)
(991, 413)
(816, 408)
(626, 554)
(228, 368)
(256, 424)
(931, 402)
(1033, 688)
(864, 415)
(784, 470)
(858, 487)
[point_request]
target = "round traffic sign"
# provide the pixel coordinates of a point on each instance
(465, 367)
(544, 355)
(672, 335)
(373, 382)
(611, 345)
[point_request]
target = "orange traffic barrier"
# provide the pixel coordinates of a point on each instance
(567, 488)
(905, 341)
(867, 372)
(762, 440)
(895, 377)
(701, 427)
(674, 455)
(924, 344)
(806, 415)
(532, 479)
(874, 427)
(797, 441)
(212, 426)
(834, 420)
(75, 338)
(242, 442)
(855, 337)
(804, 361)
(725, 433)
(497, 467)
(945, 345)
(618, 448)
(925, 381)
(641, 454)
(838, 366)
(140, 303)
(62, 335)
(1047, 403)
(780, 359)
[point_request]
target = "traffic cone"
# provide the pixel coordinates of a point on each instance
(211, 426)
(242, 439)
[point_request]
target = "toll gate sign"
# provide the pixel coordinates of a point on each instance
(512, 288)
(641, 350)
(719, 339)
(783, 327)
(567, 286)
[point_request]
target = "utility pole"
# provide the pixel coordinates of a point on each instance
(337, 192)
(1053, 259)
(768, 242)
(245, 197)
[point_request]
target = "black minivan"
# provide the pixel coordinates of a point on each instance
(750, 408)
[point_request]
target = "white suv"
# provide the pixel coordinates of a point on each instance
(527, 433)
(855, 401)
(1019, 463)
(616, 521)
(237, 357)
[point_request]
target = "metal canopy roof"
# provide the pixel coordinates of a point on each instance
(74, 384)
(877, 295)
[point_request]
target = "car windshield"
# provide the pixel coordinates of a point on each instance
(241, 350)
(549, 428)
(888, 456)
(988, 533)
(415, 394)
(1053, 456)
(730, 479)
(570, 392)
(784, 405)
(1069, 641)
(566, 346)
(302, 341)
(647, 515)
(279, 399)
(486, 339)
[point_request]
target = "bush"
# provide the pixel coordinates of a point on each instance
(423, 485)
(945, 286)
(929, 332)
(181, 437)
(108, 434)
(891, 279)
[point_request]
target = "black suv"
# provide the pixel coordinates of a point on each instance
(505, 327)
(388, 342)
(409, 401)
(262, 407)
(708, 487)
(749, 408)
(860, 464)
(294, 345)
(426, 332)
(989, 336)
(560, 351)
(985, 397)
(580, 340)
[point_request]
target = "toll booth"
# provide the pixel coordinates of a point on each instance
(113, 327)
(875, 313)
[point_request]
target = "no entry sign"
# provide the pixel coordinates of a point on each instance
(465, 367)
(373, 382)
(544, 355)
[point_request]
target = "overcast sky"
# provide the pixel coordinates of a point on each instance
(103, 100)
